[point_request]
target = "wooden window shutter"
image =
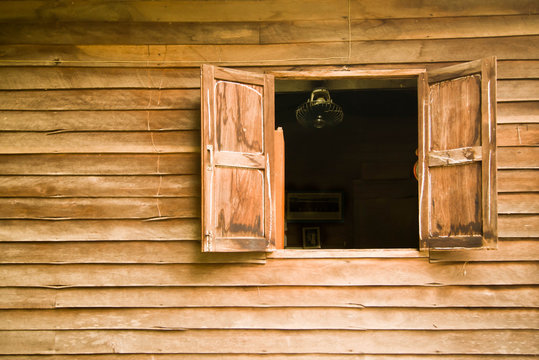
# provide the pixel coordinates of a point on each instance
(238, 186)
(457, 152)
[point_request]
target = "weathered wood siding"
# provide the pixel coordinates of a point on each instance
(99, 208)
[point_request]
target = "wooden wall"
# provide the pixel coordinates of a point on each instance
(99, 186)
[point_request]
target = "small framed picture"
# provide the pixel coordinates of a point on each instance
(311, 238)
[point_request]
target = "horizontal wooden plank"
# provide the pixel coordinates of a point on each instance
(517, 134)
(393, 29)
(269, 341)
(518, 112)
(270, 357)
(157, 252)
(272, 296)
(387, 51)
(95, 230)
(518, 157)
(99, 186)
(103, 120)
(510, 226)
(126, 99)
(29, 78)
(129, 32)
(99, 208)
(519, 226)
(100, 164)
(518, 90)
(458, 156)
(291, 318)
(99, 142)
(518, 180)
(274, 272)
(518, 203)
(241, 10)
(508, 250)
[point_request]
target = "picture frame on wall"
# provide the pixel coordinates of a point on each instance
(311, 237)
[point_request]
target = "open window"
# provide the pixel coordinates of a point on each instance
(450, 114)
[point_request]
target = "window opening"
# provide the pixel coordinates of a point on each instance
(364, 165)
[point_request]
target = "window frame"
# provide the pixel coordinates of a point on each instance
(421, 75)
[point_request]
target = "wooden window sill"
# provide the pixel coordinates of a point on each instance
(346, 253)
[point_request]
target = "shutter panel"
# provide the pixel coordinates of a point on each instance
(238, 209)
(457, 149)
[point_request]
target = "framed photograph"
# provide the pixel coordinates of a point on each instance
(311, 238)
(314, 206)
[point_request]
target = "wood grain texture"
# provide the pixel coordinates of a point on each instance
(518, 134)
(274, 272)
(268, 341)
(100, 100)
(100, 186)
(95, 230)
(518, 157)
(357, 297)
(518, 112)
(290, 318)
(100, 164)
(520, 226)
(47, 78)
(99, 142)
(101, 120)
(366, 52)
(507, 250)
(120, 252)
(456, 208)
(174, 11)
(98, 208)
(267, 357)
(518, 180)
(518, 203)
(518, 90)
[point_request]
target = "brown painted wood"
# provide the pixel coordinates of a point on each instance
(274, 272)
(99, 208)
(518, 180)
(100, 99)
(99, 142)
(290, 318)
(100, 186)
(366, 52)
(423, 186)
(95, 230)
(518, 134)
(125, 252)
(356, 297)
(103, 120)
(268, 341)
(100, 164)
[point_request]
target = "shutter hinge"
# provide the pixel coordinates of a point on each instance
(208, 243)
